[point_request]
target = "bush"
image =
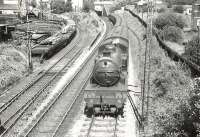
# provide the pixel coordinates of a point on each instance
(87, 6)
(169, 92)
(192, 47)
(161, 10)
(179, 2)
(172, 33)
(113, 8)
(13, 65)
(68, 6)
(178, 9)
(33, 3)
(169, 19)
(61, 7)
(194, 43)
(182, 2)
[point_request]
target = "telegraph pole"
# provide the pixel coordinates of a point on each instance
(149, 41)
(30, 65)
(147, 65)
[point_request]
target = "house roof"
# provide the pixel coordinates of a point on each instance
(9, 7)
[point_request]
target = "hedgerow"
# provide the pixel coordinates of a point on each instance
(169, 19)
(172, 33)
(170, 26)
(178, 9)
(61, 6)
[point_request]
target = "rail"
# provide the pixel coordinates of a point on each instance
(135, 110)
(25, 106)
(30, 102)
(59, 95)
(91, 125)
(56, 99)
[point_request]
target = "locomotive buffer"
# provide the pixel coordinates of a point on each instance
(99, 98)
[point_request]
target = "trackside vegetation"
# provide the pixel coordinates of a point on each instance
(169, 26)
(173, 108)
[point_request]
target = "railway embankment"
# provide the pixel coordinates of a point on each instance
(167, 100)
(14, 52)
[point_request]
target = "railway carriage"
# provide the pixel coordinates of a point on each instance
(47, 47)
(105, 94)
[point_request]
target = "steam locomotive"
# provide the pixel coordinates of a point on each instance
(105, 94)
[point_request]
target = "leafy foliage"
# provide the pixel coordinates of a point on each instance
(13, 65)
(33, 3)
(193, 44)
(119, 5)
(61, 7)
(179, 2)
(178, 9)
(87, 6)
(172, 33)
(68, 6)
(161, 10)
(169, 92)
(192, 50)
(116, 7)
(169, 19)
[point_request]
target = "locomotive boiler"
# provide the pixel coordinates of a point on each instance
(105, 94)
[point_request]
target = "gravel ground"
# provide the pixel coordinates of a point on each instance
(104, 126)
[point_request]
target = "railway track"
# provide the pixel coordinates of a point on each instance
(58, 112)
(13, 109)
(55, 119)
(52, 119)
(41, 74)
(135, 110)
(99, 126)
(29, 98)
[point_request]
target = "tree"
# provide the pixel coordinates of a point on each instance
(172, 33)
(58, 7)
(192, 49)
(161, 10)
(68, 6)
(169, 19)
(33, 3)
(178, 9)
(179, 2)
(87, 6)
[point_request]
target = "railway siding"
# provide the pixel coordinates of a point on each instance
(67, 77)
(8, 95)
